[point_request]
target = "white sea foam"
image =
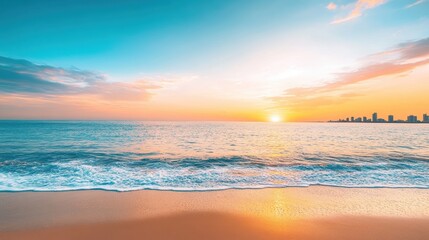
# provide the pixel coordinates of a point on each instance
(125, 156)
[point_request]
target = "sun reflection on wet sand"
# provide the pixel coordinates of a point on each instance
(276, 207)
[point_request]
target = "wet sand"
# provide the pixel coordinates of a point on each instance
(291, 213)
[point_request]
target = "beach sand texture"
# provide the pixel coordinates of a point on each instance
(290, 213)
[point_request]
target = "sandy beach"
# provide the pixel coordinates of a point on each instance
(290, 213)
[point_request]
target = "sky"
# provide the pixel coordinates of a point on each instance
(224, 60)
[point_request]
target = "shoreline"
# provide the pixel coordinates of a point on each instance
(211, 190)
(48, 215)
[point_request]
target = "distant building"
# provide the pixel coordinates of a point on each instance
(412, 119)
(425, 118)
(374, 117)
(390, 119)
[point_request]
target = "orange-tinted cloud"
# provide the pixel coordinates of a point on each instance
(409, 56)
(331, 6)
(359, 8)
(21, 77)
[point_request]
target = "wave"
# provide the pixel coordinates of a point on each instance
(183, 189)
(68, 171)
(126, 156)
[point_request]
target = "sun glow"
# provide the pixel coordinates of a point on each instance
(275, 118)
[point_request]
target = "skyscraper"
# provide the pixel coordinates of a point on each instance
(425, 118)
(412, 118)
(374, 117)
(390, 118)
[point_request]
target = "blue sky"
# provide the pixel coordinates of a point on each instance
(128, 37)
(216, 44)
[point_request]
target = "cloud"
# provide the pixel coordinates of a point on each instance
(359, 7)
(331, 6)
(24, 77)
(415, 3)
(407, 56)
(408, 51)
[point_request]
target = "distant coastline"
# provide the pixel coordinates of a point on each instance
(390, 119)
(336, 121)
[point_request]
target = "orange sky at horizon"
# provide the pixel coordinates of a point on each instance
(399, 94)
(403, 96)
(288, 61)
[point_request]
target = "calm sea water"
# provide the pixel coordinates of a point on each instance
(122, 156)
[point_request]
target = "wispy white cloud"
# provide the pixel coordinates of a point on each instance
(359, 7)
(415, 3)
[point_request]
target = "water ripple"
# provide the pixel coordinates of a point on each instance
(124, 156)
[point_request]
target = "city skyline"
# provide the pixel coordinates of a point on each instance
(390, 119)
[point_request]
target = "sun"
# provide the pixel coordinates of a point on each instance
(275, 118)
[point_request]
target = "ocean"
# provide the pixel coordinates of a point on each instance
(202, 156)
